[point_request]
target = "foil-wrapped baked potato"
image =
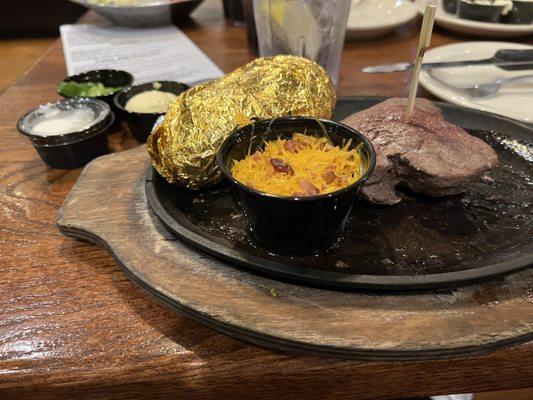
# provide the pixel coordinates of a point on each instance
(183, 148)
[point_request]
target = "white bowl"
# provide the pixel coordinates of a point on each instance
(155, 13)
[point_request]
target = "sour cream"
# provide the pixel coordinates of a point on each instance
(56, 121)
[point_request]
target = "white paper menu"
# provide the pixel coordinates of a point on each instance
(164, 53)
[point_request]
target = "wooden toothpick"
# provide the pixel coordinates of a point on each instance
(423, 44)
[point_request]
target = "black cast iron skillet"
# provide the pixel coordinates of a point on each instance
(420, 243)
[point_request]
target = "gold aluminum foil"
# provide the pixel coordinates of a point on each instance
(183, 148)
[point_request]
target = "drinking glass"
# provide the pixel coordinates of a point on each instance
(310, 28)
(233, 11)
(251, 34)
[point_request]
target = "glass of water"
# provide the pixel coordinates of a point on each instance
(310, 28)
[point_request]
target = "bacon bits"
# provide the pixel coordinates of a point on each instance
(291, 146)
(328, 176)
(256, 156)
(281, 166)
(308, 188)
(250, 185)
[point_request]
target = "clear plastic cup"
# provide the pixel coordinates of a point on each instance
(310, 28)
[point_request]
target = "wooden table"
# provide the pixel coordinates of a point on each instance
(72, 324)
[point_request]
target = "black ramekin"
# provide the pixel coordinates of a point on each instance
(479, 12)
(73, 149)
(450, 6)
(521, 13)
(293, 225)
(110, 78)
(141, 124)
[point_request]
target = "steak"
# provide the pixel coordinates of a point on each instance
(429, 155)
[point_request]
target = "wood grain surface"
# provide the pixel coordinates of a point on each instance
(73, 325)
(20, 54)
(426, 325)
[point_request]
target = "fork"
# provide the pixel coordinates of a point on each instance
(482, 89)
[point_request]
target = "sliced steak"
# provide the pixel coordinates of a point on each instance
(429, 154)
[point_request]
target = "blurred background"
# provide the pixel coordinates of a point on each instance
(25, 35)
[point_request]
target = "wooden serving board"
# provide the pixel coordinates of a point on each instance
(108, 206)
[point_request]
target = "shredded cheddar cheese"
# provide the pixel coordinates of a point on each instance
(302, 166)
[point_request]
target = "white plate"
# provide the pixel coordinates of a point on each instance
(487, 29)
(374, 18)
(514, 101)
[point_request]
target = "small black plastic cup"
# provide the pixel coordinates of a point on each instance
(141, 124)
(293, 225)
(73, 149)
(479, 12)
(108, 77)
(521, 13)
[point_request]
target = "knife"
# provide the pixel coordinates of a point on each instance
(510, 60)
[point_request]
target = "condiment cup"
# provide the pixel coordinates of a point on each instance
(141, 124)
(293, 225)
(72, 149)
(109, 78)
